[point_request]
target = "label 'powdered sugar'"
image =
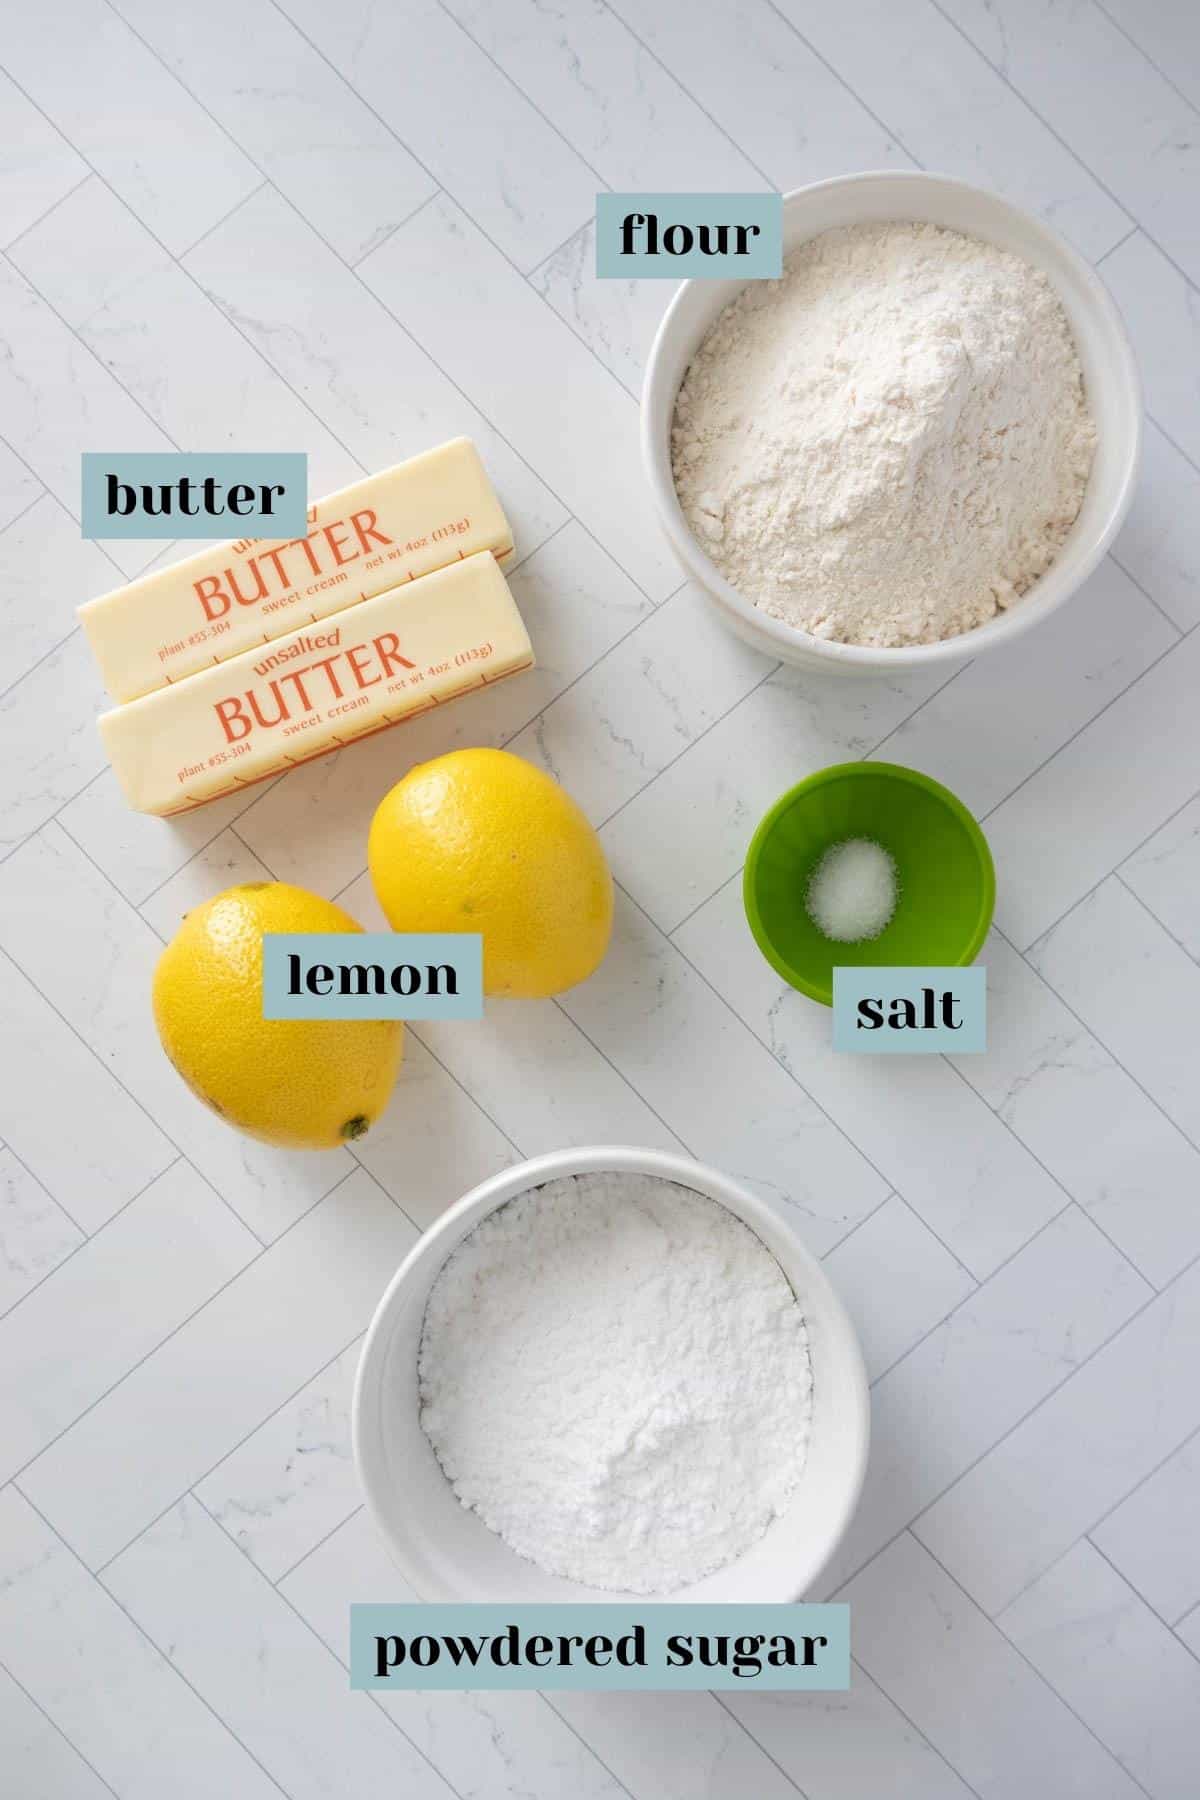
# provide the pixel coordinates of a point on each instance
(614, 1374)
(889, 445)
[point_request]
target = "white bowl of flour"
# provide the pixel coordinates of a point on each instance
(611, 1373)
(914, 447)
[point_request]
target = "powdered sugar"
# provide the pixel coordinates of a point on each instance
(614, 1374)
(892, 442)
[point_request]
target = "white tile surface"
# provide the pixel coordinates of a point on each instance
(1092, 1638)
(1129, 770)
(1164, 874)
(117, 1149)
(35, 1233)
(498, 156)
(93, 958)
(37, 165)
(360, 230)
(1152, 1539)
(292, 1481)
(167, 1424)
(113, 100)
(1135, 986)
(1003, 1350)
(949, 109)
(898, 1281)
(1142, 146)
(489, 1746)
(721, 1092)
(73, 1340)
(1087, 1120)
(256, 1663)
(103, 1684)
(967, 1688)
(1069, 1463)
(42, 1763)
(983, 1194)
(451, 288)
(308, 132)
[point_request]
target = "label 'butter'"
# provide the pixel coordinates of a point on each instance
(392, 527)
(407, 650)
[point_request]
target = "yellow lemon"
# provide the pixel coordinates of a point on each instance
(307, 1084)
(480, 840)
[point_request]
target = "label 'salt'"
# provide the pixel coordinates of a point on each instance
(435, 509)
(405, 651)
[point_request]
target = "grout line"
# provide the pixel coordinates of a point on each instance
(673, 77)
(45, 657)
(732, 1716)
(177, 262)
(86, 347)
(250, 1262)
(1088, 1539)
(843, 83)
(522, 94)
(1146, 56)
(1140, 1085)
(217, 223)
(1146, 595)
(360, 1506)
(1117, 1332)
(58, 1730)
(1118, 875)
(233, 1448)
(391, 231)
(1032, 110)
(1113, 248)
(940, 1754)
(127, 1091)
(37, 498)
(929, 1505)
(1034, 1670)
(866, 1220)
(312, 1548)
(1193, 1437)
(736, 1016)
(621, 1076)
(86, 1237)
(59, 501)
(1086, 726)
(62, 198)
(327, 1649)
(145, 1638)
(1193, 282)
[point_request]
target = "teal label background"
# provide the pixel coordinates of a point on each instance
(763, 260)
(288, 517)
(830, 1671)
(852, 985)
(463, 950)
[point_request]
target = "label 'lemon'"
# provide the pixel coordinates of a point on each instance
(306, 1084)
(480, 840)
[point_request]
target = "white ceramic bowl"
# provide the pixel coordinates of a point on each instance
(447, 1553)
(1109, 371)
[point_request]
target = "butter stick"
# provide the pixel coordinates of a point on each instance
(418, 516)
(322, 687)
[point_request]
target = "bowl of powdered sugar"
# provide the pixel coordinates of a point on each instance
(913, 446)
(611, 1373)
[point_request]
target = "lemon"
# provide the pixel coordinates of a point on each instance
(480, 840)
(307, 1084)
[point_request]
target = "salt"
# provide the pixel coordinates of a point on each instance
(852, 894)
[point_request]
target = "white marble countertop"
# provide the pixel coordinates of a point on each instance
(356, 230)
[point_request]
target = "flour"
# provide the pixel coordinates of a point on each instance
(614, 1374)
(890, 444)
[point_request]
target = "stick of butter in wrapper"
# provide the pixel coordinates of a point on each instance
(375, 664)
(420, 515)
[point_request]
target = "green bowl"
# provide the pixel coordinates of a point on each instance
(947, 882)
